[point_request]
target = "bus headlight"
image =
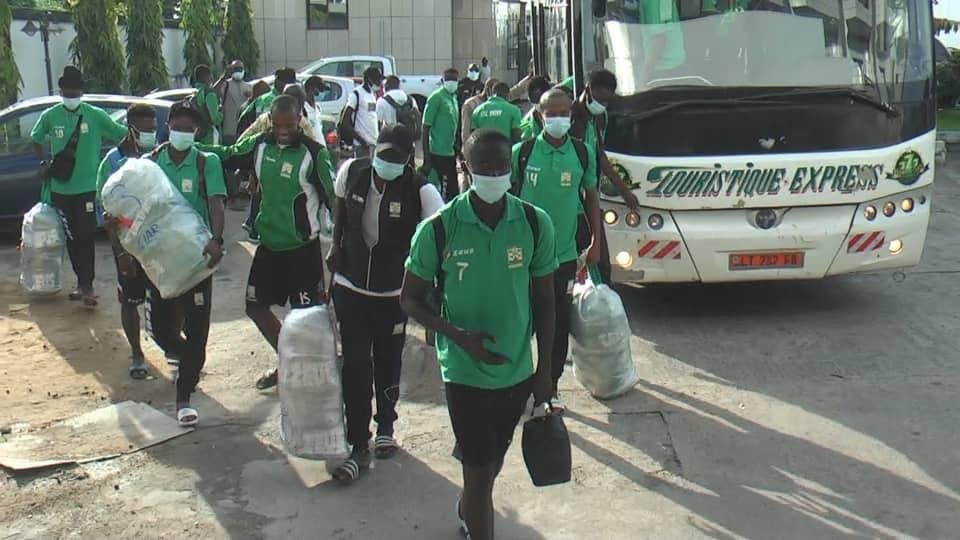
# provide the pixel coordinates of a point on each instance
(655, 221)
(870, 212)
(889, 209)
(632, 219)
(906, 205)
(610, 217)
(896, 247)
(624, 259)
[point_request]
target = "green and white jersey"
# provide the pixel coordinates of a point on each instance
(294, 182)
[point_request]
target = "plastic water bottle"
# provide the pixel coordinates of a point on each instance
(311, 396)
(42, 251)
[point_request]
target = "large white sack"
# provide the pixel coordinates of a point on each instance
(158, 226)
(42, 251)
(602, 360)
(312, 424)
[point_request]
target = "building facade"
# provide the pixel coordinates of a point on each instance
(425, 36)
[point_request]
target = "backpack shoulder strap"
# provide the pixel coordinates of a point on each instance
(440, 237)
(391, 101)
(201, 174)
(526, 150)
(155, 154)
(531, 212)
(581, 148)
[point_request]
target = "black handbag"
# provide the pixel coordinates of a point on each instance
(546, 450)
(62, 165)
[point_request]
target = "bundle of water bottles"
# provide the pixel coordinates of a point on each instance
(42, 251)
(602, 360)
(157, 225)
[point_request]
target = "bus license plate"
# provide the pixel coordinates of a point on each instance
(766, 261)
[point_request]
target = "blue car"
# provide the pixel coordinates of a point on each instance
(19, 183)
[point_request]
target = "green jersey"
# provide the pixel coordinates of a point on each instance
(487, 276)
(442, 116)
(553, 180)
(294, 182)
(499, 114)
(185, 176)
(208, 99)
(262, 104)
(58, 124)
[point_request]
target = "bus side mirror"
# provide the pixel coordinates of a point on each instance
(599, 9)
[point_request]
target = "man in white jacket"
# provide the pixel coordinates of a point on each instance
(387, 111)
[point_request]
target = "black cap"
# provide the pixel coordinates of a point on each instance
(396, 137)
(72, 78)
(184, 108)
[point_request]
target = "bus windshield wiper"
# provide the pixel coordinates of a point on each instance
(852, 93)
(649, 113)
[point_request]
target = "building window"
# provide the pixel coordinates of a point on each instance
(327, 15)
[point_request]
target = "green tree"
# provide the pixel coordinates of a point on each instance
(9, 74)
(148, 69)
(198, 23)
(97, 49)
(238, 42)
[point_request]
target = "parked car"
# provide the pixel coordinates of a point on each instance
(417, 86)
(19, 183)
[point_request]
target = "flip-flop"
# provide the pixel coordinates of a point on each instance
(349, 471)
(75, 295)
(268, 380)
(187, 417)
(385, 447)
(138, 370)
(90, 300)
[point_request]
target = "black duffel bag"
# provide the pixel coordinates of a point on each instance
(546, 450)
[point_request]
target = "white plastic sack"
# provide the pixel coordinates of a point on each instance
(42, 251)
(312, 424)
(158, 227)
(602, 361)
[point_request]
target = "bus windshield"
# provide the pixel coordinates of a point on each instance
(878, 46)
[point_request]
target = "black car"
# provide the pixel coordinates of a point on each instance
(19, 183)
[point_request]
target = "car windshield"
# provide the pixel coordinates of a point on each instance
(874, 45)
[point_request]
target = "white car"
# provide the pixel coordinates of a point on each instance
(419, 87)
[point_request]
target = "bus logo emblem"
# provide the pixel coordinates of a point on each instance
(909, 168)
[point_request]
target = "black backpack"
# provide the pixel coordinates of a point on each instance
(527, 150)
(407, 115)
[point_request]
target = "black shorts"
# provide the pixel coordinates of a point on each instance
(279, 277)
(131, 289)
(484, 420)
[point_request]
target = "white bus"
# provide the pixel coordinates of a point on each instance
(765, 139)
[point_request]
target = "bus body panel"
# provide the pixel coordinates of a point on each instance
(778, 180)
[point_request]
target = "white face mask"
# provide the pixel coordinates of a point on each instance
(491, 189)
(239, 75)
(450, 86)
(473, 75)
(557, 126)
(595, 107)
(146, 140)
(72, 103)
(181, 140)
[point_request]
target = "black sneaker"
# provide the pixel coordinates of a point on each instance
(268, 380)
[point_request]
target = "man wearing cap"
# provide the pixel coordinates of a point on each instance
(380, 202)
(181, 325)
(293, 176)
(73, 194)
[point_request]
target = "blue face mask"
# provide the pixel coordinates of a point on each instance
(491, 189)
(387, 170)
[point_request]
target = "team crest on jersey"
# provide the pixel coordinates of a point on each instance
(395, 209)
(286, 169)
(83, 127)
(186, 185)
(514, 257)
(566, 179)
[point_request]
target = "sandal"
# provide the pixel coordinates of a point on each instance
(75, 295)
(349, 471)
(187, 416)
(90, 300)
(173, 359)
(138, 369)
(268, 380)
(385, 447)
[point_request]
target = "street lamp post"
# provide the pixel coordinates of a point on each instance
(31, 29)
